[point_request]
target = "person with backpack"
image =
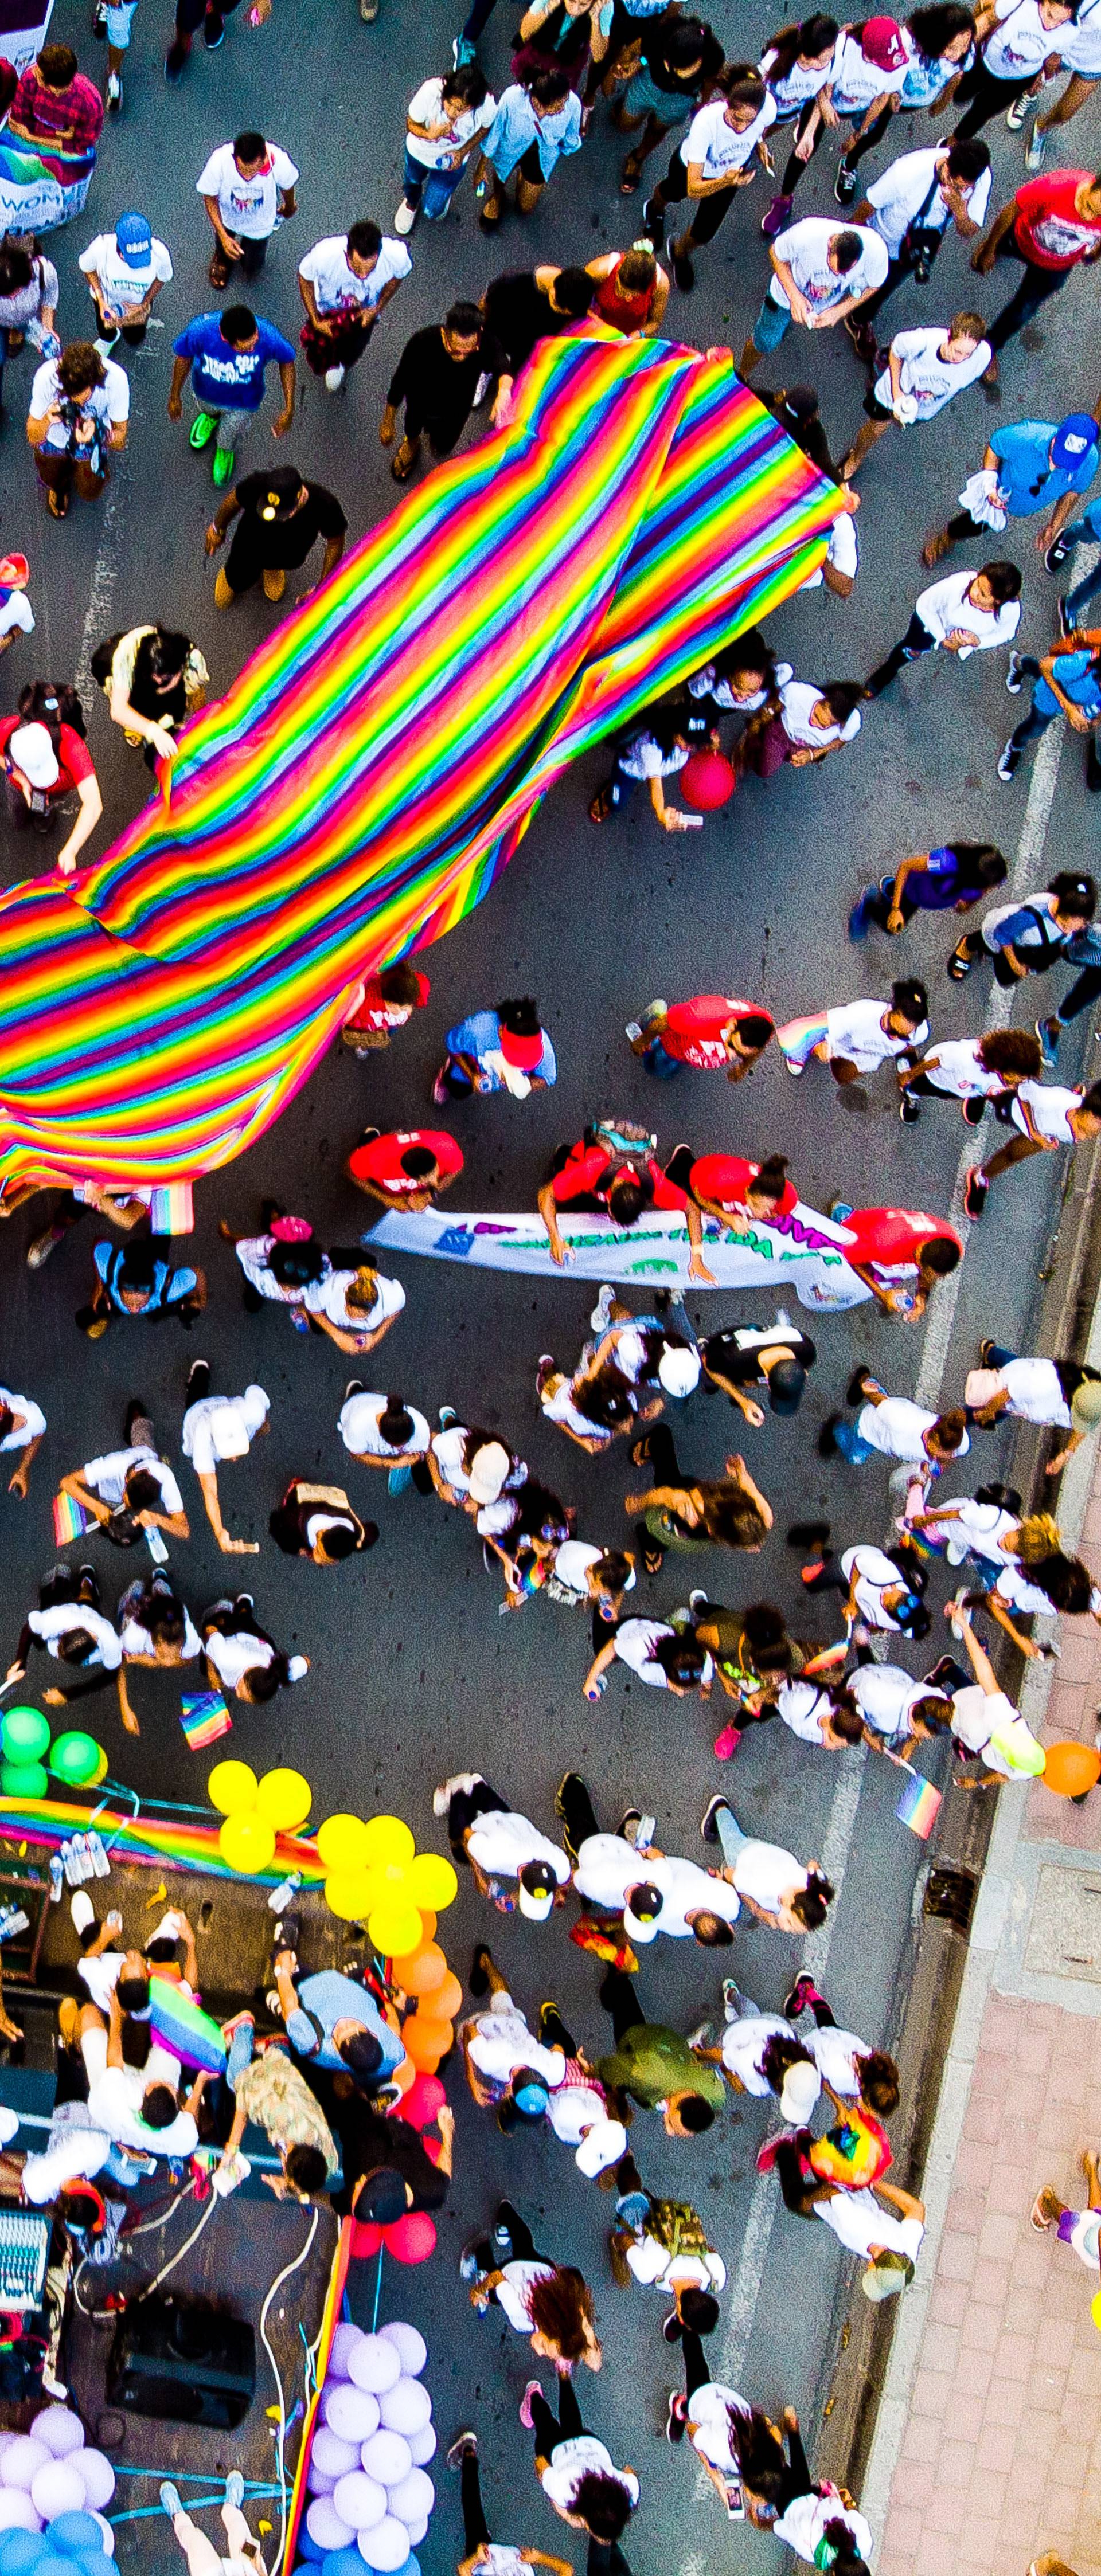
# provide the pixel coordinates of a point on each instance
(612, 1169)
(134, 1279)
(1066, 682)
(1026, 936)
(678, 65)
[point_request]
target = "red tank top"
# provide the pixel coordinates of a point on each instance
(624, 311)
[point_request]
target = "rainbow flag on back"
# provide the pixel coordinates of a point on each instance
(70, 1520)
(919, 1807)
(204, 1718)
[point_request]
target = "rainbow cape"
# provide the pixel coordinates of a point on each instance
(378, 760)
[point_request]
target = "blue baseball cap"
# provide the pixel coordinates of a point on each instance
(133, 239)
(1073, 439)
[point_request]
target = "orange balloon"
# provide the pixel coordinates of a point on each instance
(405, 2075)
(428, 1924)
(446, 1999)
(1070, 1769)
(427, 2041)
(423, 1972)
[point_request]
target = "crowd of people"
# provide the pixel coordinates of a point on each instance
(325, 2078)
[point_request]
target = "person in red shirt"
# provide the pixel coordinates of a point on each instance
(384, 1002)
(55, 103)
(1052, 226)
(408, 1167)
(613, 1167)
(712, 1032)
(889, 1247)
(737, 1193)
(45, 761)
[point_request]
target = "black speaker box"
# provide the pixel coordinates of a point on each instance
(183, 2362)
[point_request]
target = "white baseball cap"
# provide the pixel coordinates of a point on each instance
(679, 1369)
(602, 2145)
(801, 2087)
(488, 1473)
(32, 751)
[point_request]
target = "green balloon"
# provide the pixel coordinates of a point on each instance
(23, 1780)
(26, 1734)
(74, 1758)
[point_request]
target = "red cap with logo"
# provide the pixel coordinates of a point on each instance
(882, 43)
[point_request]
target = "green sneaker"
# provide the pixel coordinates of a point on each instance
(222, 468)
(202, 430)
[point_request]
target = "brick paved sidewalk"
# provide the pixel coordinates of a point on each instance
(1000, 2453)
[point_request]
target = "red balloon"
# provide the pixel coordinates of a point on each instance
(411, 2239)
(423, 2100)
(707, 780)
(366, 2238)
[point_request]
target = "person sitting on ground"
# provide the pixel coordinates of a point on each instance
(137, 2105)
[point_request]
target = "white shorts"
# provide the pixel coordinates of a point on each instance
(120, 19)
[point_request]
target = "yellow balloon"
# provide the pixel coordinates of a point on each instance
(341, 1842)
(1095, 2309)
(99, 1774)
(347, 1894)
(432, 1882)
(285, 1798)
(393, 1929)
(232, 1787)
(389, 1842)
(247, 1842)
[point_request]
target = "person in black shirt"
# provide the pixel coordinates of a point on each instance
(437, 378)
(681, 61)
(772, 1362)
(525, 305)
(386, 2167)
(280, 517)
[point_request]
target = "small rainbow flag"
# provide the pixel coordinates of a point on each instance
(919, 1807)
(171, 1208)
(70, 1520)
(204, 1718)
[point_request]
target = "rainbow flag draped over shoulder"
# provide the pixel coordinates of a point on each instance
(378, 760)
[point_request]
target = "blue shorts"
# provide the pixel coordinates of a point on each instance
(642, 98)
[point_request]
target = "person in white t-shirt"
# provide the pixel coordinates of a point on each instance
(865, 84)
(972, 1071)
(912, 207)
(247, 188)
(576, 2471)
(602, 1577)
(22, 1428)
(1080, 55)
(968, 613)
(709, 166)
(1062, 1395)
(851, 2070)
(821, 272)
(895, 1427)
(1018, 38)
(217, 1428)
(897, 1711)
(355, 1308)
(924, 370)
(77, 417)
(507, 2068)
(345, 282)
(812, 722)
(71, 1627)
(444, 121)
(769, 1880)
(889, 2245)
(1047, 1115)
(880, 1592)
(855, 1038)
(549, 2302)
(985, 1723)
(383, 1431)
(842, 563)
(481, 2555)
(657, 1653)
(126, 271)
(131, 1482)
(138, 2106)
(241, 1659)
(512, 1862)
(761, 2055)
(625, 1876)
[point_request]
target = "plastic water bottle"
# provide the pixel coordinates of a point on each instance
(85, 1867)
(288, 1887)
(57, 1877)
(100, 1863)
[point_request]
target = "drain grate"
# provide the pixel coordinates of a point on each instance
(950, 1896)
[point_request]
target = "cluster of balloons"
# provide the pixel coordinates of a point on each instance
(427, 2033)
(76, 1761)
(370, 2495)
(412, 2237)
(52, 2494)
(374, 1874)
(255, 1811)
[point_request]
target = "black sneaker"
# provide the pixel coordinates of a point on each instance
(1009, 758)
(1013, 678)
(708, 1827)
(854, 1392)
(653, 225)
(1057, 552)
(672, 2328)
(478, 1980)
(845, 184)
(1093, 767)
(684, 274)
(676, 2422)
(826, 1443)
(1066, 621)
(976, 1191)
(909, 1109)
(986, 1349)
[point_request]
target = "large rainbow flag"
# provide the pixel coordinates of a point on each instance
(377, 761)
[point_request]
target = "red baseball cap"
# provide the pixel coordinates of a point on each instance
(882, 44)
(15, 571)
(523, 1052)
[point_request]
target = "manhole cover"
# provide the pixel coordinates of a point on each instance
(1065, 1934)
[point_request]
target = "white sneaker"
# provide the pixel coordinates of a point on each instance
(405, 218)
(334, 378)
(1016, 115)
(601, 1315)
(1034, 149)
(114, 91)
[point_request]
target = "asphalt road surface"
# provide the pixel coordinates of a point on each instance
(413, 1674)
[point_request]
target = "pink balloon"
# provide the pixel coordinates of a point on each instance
(352, 2413)
(410, 2347)
(17, 2513)
(58, 2488)
(413, 2238)
(344, 2343)
(22, 2461)
(374, 2365)
(420, 2105)
(60, 2430)
(360, 2500)
(334, 2456)
(326, 2526)
(422, 2446)
(385, 2546)
(406, 2408)
(99, 2479)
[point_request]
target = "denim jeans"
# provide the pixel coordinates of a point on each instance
(1090, 584)
(430, 192)
(731, 1837)
(850, 1446)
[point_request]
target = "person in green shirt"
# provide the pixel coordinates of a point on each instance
(655, 2065)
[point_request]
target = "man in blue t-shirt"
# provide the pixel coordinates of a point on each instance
(1035, 465)
(225, 355)
(333, 2022)
(1067, 683)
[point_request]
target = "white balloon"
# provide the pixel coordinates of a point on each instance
(406, 2407)
(326, 2526)
(60, 2430)
(6, 2440)
(360, 2500)
(414, 2499)
(375, 2364)
(422, 2446)
(387, 2456)
(22, 2461)
(352, 2413)
(385, 2546)
(105, 2527)
(319, 2482)
(332, 2454)
(99, 2479)
(416, 2531)
(410, 2346)
(58, 2488)
(343, 2346)
(17, 2513)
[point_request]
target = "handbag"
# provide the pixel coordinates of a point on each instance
(921, 241)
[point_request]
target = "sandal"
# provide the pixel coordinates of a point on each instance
(400, 472)
(653, 1555)
(489, 220)
(57, 504)
(631, 180)
(958, 967)
(1039, 2218)
(640, 1451)
(601, 806)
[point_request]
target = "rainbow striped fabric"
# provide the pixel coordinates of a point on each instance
(378, 760)
(204, 1718)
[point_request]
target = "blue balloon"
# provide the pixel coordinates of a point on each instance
(308, 2547)
(20, 2551)
(78, 2534)
(412, 2566)
(342, 2562)
(53, 2564)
